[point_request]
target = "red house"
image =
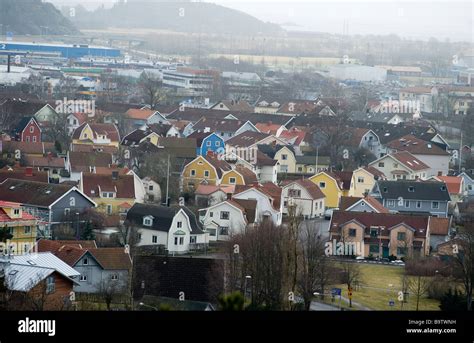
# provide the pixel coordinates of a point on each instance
(28, 130)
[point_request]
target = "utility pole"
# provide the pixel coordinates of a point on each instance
(168, 181)
(460, 154)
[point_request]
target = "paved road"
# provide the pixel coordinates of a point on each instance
(317, 306)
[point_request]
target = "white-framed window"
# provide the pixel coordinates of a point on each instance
(148, 221)
(16, 211)
(225, 215)
(193, 172)
(179, 225)
(418, 204)
(322, 185)
(176, 241)
(211, 214)
(284, 157)
(34, 139)
(218, 143)
(391, 203)
(381, 164)
(181, 240)
(32, 129)
(83, 278)
(109, 209)
(360, 179)
(192, 239)
(208, 143)
(206, 173)
(407, 203)
(27, 229)
(154, 239)
(85, 261)
(232, 180)
(435, 205)
(67, 211)
(114, 277)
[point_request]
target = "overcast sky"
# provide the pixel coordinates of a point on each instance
(419, 19)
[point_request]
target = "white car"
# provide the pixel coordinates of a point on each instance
(328, 213)
(398, 262)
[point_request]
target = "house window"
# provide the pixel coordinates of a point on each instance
(360, 179)
(225, 215)
(352, 232)
(192, 239)
(181, 240)
(206, 173)
(32, 129)
(211, 214)
(322, 185)
(391, 203)
(401, 251)
(154, 239)
(208, 143)
(109, 209)
(401, 236)
(27, 229)
(50, 285)
(193, 172)
(85, 261)
(179, 225)
(27, 138)
(284, 157)
(114, 277)
(373, 232)
(224, 230)
(83, 278)
(381, 164)
(16, 211)
(150, 188)
(295, 193)
(176, 241)
(232, 180)
(411, 189)
(374, 248)
(218, 143)
(147, 221)
(34, 139)
(407, 203)
(418, 204)
(212, 232)
(435, 205)
(300, 169)
(67, 211)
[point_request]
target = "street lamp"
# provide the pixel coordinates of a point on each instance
(145, 305)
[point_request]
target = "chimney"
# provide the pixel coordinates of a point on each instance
(29, 171)
(115, 175)
(229, 196)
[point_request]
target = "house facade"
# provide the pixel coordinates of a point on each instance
(305, 196)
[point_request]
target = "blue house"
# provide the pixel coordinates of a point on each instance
(208, 141)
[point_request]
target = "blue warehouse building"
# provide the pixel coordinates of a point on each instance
(66, 50)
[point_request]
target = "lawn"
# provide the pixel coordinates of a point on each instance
(375, 292)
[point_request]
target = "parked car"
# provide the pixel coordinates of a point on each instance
(328, 213)
(398, 262)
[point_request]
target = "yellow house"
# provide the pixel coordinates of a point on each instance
(97, 134)
(20, 224)
(333, 185)
(203, 170)
(363, 180)
(238, 176)
(113, 193)
(284, 154)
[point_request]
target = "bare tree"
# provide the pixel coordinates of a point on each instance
(464, 259)
(109, 290)
(150, 87)
(316, 270)
(419, 286)
(351, 276)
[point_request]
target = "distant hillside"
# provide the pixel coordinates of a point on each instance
(33, 17)
(182, 16)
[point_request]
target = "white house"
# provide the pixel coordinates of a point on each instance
(175, 228)
(226, 218)
(306, 196)
(401, 166)
(268, 205)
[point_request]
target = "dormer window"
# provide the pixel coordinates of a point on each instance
(16, 212)
(148, 221)
(411, 189)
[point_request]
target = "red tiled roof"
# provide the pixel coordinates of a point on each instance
(313, 190)
(453, 183)
(410, 161)
(248, 175)
(416, 146)
(220, 165)
(344, 178)
(347, 202)
(124, 186)
(140, 114)
(375, 172)
(439, 226)
(20, 173)
(49, 161)
(109, 130)
(268, 128)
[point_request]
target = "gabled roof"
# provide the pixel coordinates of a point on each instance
(34, 268)
(387, 220)
(347, 203)
(109, 130)
(23, 123)
(246, 139)
(140, 114)
(416, 146)
(270, 150)
(162, 217)
(313, 190)
(268, 128)
(220, 165)
(27, 147)
(248, 175)
(94, 184)
(249, 207)
(272, 191)
(416, 190)
(343, 177)
(238, 106)
(439, 226)
(454, 183)
(200, 136)
(218, 125)
(408, 160)
(34, 193)
(82, 161)
(48, 161)
(204, 189)
(375, 172)
(20, 173)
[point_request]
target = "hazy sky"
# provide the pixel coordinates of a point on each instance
(418, 19)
